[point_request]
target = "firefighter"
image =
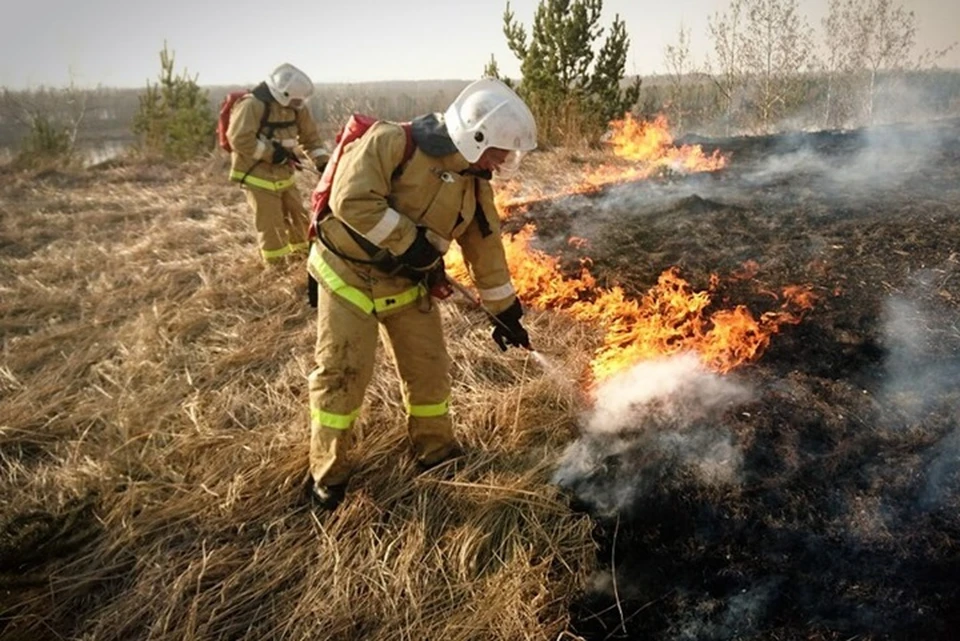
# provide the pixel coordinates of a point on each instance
(377, 254)
(266, 127)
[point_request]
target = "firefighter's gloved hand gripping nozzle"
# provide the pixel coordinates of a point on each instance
(507, 330)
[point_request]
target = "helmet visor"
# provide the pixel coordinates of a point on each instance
(510, 165)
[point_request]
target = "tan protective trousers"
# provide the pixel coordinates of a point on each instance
(281, 220)
(346, 347)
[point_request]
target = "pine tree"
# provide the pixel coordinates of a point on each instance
(573, 89)
(491, 70)
(174, 119)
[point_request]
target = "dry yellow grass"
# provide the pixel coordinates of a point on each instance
(153, 441)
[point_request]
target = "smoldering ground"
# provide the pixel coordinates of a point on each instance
(795, 508)
(832, 509)
(775, 190)
(920, 381)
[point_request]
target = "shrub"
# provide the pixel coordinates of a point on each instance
(46, 142)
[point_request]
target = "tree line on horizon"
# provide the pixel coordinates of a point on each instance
(764, 73)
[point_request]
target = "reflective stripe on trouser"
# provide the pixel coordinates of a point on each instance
(345, 354)
(245, 178)
(281, 222)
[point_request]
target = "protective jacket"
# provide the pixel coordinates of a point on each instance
(383, 203)
(253, 145)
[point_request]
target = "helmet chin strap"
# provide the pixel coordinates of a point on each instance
(485, 174)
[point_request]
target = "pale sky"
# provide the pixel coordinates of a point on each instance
(116, 43)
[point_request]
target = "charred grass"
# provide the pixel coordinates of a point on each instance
(842, 523)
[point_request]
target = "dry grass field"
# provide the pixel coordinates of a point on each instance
(153, 413)
(154, 438)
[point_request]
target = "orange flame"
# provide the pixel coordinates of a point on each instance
(643, 149)
(670, 318)
(649, 145)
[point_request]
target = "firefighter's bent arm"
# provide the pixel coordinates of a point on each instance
(242, 132)
(484, 255)
(362, 185)
(309, 137)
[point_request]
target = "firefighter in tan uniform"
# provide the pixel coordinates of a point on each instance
(391, 223)
(265, 128)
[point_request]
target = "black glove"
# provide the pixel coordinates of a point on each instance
(281, 154)
(421, 256)
(507, 329)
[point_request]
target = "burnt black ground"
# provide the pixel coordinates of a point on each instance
(844, 522)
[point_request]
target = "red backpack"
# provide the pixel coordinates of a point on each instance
(356, 126)
(223, 121)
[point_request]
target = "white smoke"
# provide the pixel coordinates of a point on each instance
(852, 167)
(677, 389)
(655, 424)
(881, 159)
(943, 470)
(921, 373)
(736, 617)
(920, 369)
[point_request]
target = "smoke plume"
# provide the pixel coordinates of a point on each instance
(921, 370)
(659, 423)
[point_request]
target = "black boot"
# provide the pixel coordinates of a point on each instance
(325, 497)
(455, 452)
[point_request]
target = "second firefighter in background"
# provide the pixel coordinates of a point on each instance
(391, 222)
(266, 127)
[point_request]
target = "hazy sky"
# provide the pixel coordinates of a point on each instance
(116, 42)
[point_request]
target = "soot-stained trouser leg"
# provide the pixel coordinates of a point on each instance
(417, 345)
(345, 353)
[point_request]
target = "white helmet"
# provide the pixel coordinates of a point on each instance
(489, 114)
(287, 83)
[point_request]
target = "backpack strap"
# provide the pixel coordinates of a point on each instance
(271, 127)
(482, 221)
(408, 151)
(262, 93)
(264, 117)
(264, 125)
(383, 261)
(378, 255)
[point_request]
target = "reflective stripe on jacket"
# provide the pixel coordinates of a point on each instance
(323, 265)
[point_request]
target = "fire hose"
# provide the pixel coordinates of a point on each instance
(298, 165)
(439, 291)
